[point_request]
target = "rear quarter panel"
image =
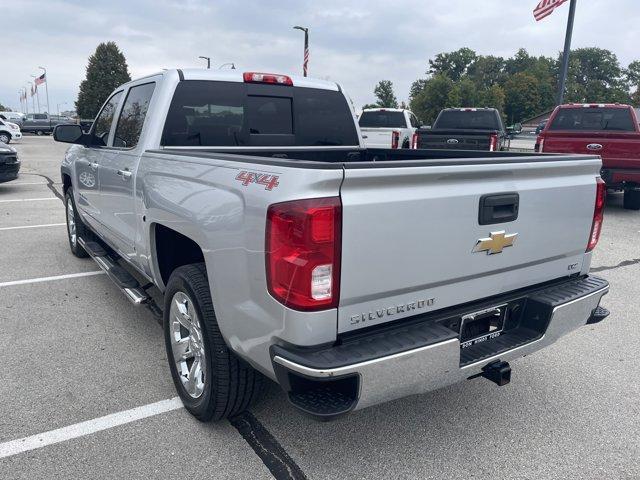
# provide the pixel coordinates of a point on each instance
(202, 199)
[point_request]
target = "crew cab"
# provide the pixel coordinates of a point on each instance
(387, 127)
(465, 128)
(38, 123)
(283, 248)
(608, 130)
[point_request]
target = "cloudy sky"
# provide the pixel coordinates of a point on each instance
(356, 43)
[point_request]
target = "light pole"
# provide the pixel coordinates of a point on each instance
(567, 50)
(233, 66)
(58, 107)
(37, 94)
(208, 59)
(306, 48)
(46, 88)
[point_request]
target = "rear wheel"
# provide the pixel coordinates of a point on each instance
(5, 137)
(211, 381)
(632, 199)
(39, 133)
(75, 227)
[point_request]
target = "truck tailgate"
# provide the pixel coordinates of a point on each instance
(409, 233)
(377, 137)
(455, 139)
(617, 149)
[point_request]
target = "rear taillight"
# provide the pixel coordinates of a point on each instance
(273, 78)
(493, 142)
(395, 139)
(303, 240)
(598, 214)
(415, 141)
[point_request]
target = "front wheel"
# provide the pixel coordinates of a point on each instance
(631, 199)
(75, 227)
(211, 381)
(5, 137)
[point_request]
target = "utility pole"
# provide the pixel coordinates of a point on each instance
(46, 88)
(567, 49)
(305, 62)
(208, 59)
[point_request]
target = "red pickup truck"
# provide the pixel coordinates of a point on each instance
(609, 130)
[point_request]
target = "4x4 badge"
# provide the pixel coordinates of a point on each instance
(497, 242)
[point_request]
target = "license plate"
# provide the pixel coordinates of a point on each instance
(481, 326)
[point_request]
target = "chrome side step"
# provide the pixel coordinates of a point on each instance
(123, 279)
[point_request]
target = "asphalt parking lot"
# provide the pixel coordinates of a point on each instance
(86, 382)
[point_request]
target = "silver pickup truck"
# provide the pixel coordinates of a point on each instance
(285, 249)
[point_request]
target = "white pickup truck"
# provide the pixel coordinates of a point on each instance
(285, 249)
(388, 127)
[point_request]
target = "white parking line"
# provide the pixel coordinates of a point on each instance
(27, 183)
(82, 429)
(49, 279)
(33, 226)
(29, 199)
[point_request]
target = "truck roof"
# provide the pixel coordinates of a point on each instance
(237, 76)
(595, 105)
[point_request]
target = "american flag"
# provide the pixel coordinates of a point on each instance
(306, 60)
(546, 8)
(40, 80)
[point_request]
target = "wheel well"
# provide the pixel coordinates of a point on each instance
(172, 250)
(66, 183)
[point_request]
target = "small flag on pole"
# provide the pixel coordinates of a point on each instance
(40, 80)
(546, 8)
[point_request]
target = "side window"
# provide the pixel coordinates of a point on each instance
(102, 124)
(132, 116)
(413, 120)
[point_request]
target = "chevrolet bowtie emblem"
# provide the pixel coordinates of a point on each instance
(496, 243)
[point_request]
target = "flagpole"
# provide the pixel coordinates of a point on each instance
(33, 102)
(567, 50)
(46, 88)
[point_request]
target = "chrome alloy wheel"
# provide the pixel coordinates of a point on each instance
(187, 344)
(71, 223)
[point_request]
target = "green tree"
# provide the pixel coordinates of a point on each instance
(432, 98)
(522, 97)
(494, 97)
(384, 94)
(595, 75)
(107, 69)
(486, 71)
(454, 64)
(463, 94)
(3, 108)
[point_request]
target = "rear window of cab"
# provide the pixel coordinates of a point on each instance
(593, 119)
(213, 113)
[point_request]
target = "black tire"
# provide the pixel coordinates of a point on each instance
(631, 199)
(39, 133)
(232, 385)
(80, 229)
(405, 144)
(5, 137)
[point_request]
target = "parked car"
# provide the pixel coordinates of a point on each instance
(513, 130)
(541, 126)
(608, 130)
(284, 248)
(9, 163)
(9, 131)
(13, 117)
(465, 129)
(387, 127)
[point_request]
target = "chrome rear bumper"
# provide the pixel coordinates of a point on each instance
(427, 368)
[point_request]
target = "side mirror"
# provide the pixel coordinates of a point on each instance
(69, 134)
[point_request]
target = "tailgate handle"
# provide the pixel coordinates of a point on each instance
(498, 208)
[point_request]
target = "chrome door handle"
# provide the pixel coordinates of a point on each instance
(93, 165)
(594, 146)
(125, 174)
